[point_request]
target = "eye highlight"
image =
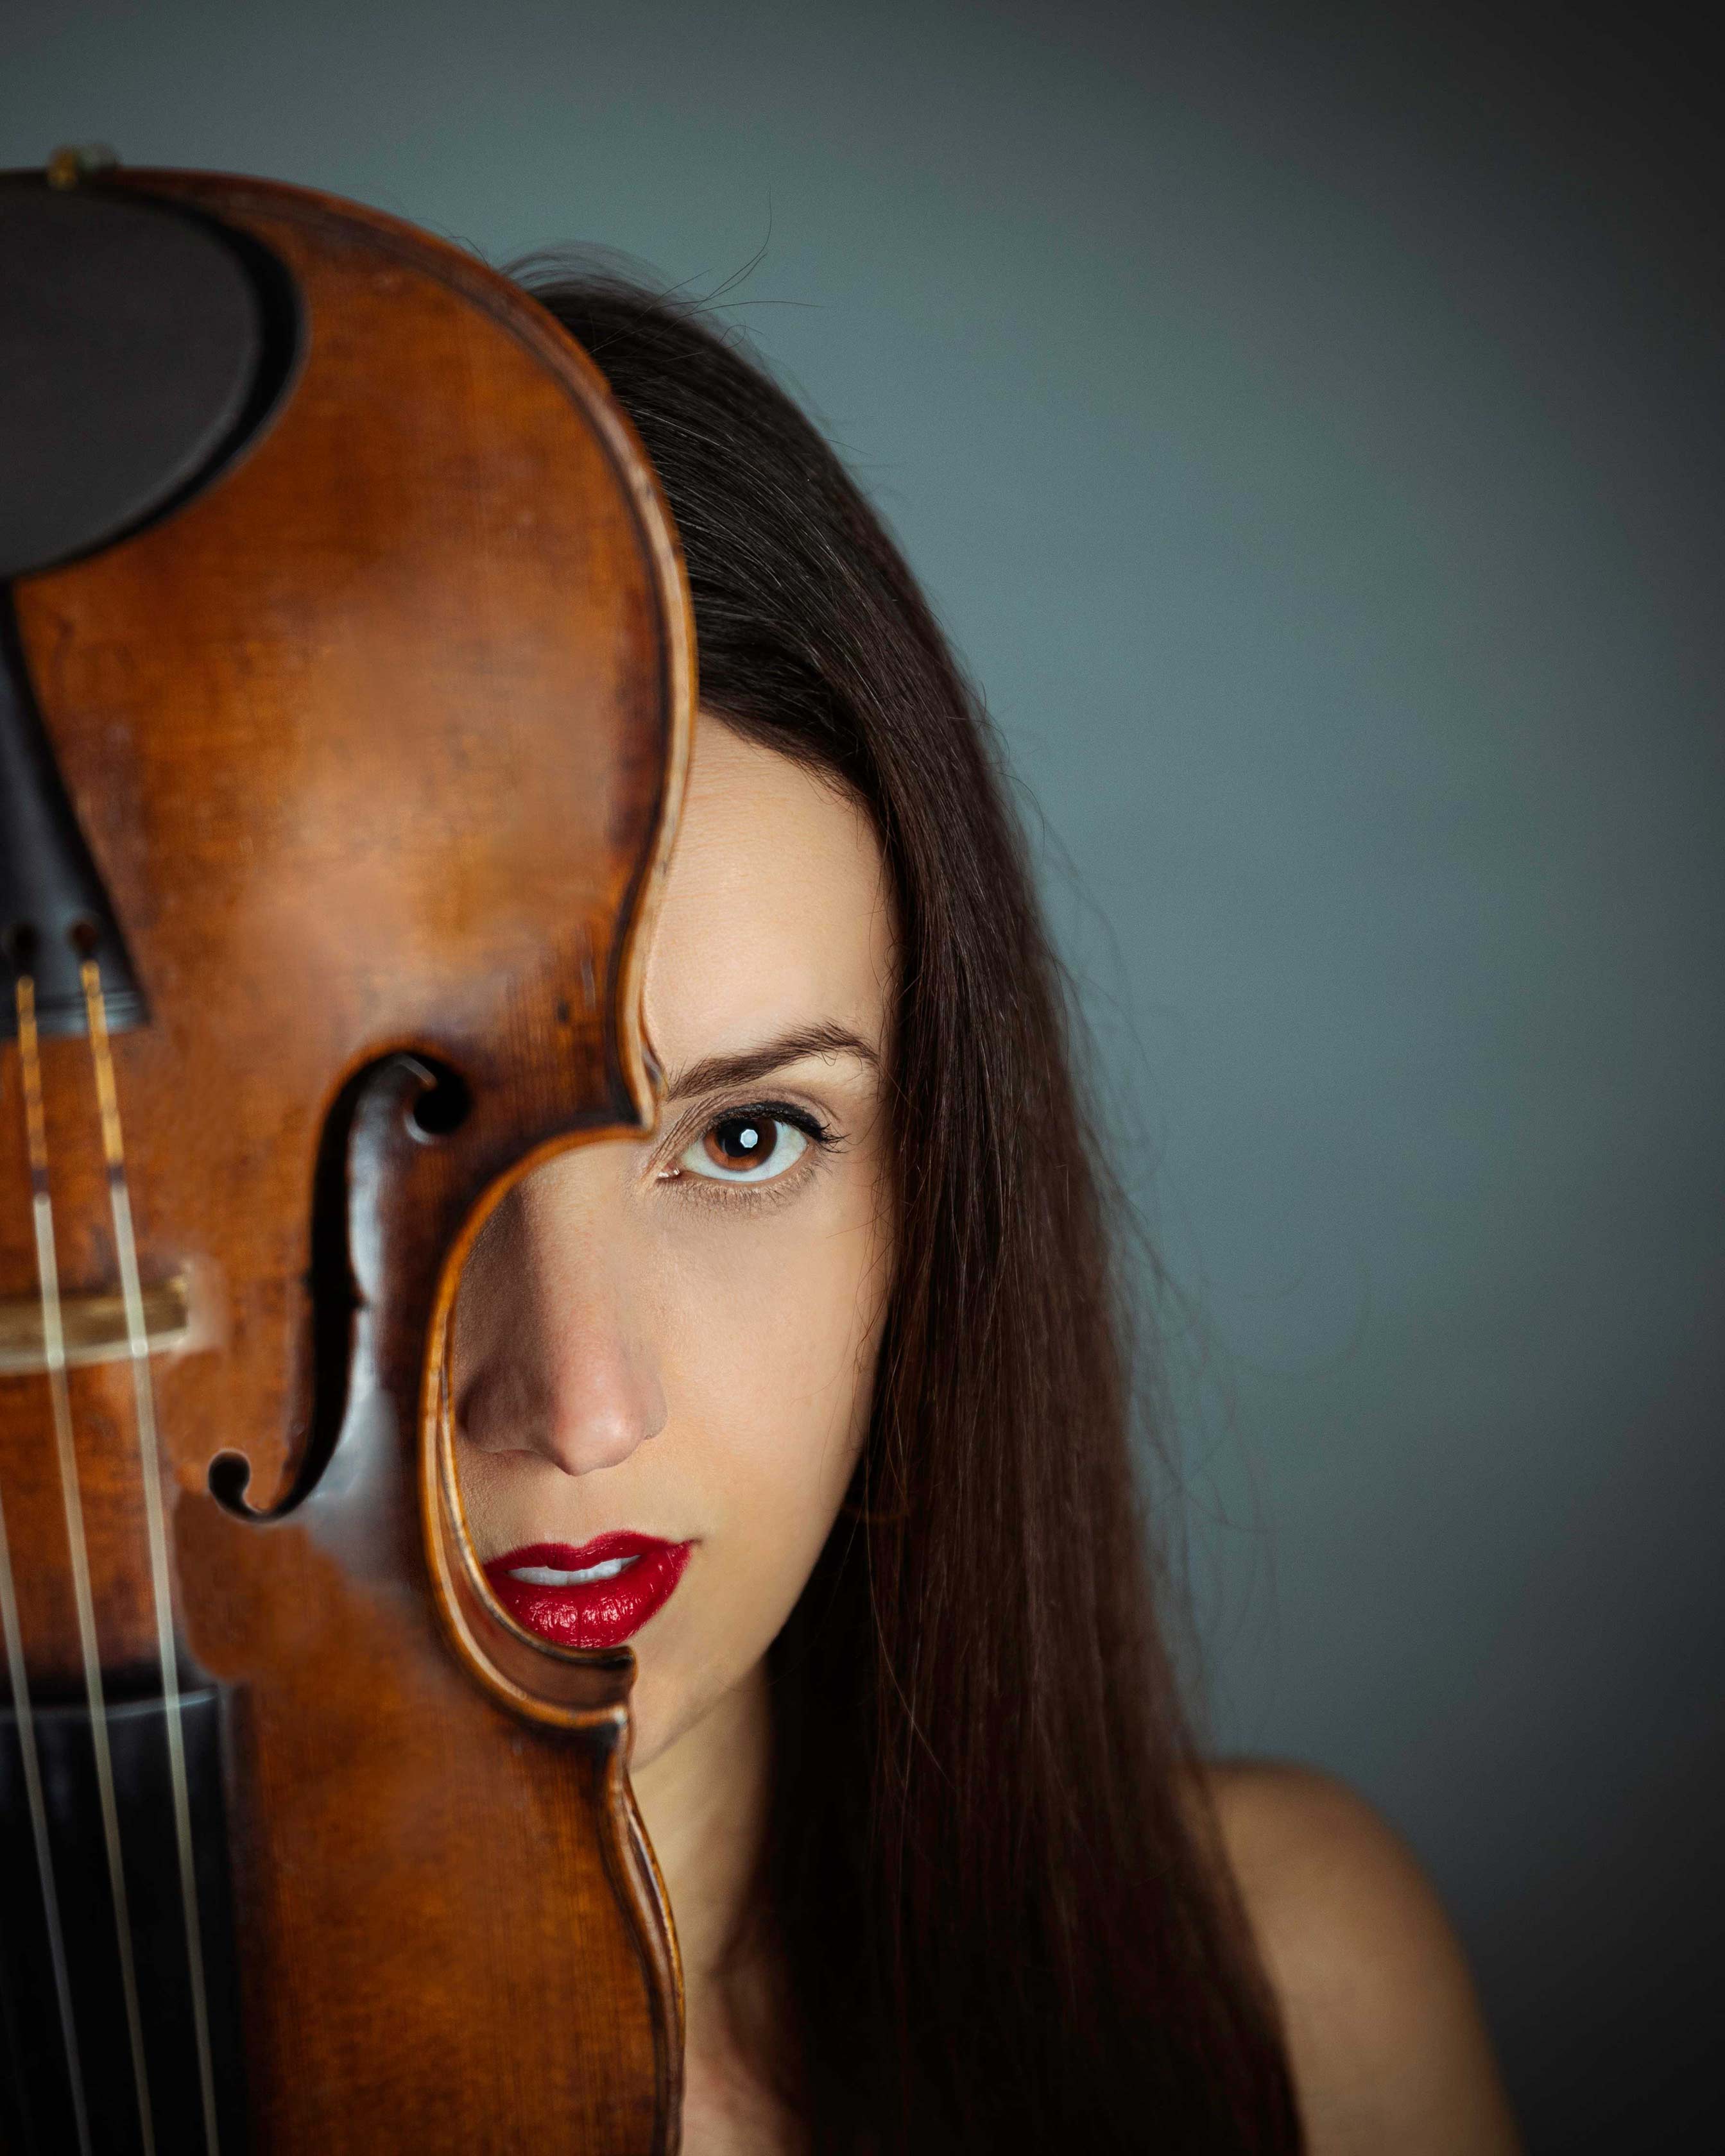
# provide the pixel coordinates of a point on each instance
(749, 1145)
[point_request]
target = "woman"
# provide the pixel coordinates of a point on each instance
(821, 1397)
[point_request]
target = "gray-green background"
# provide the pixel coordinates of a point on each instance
(1303, 419)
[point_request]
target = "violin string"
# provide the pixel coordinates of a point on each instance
(25, 1720)
(53, 1357)
(137, 1338)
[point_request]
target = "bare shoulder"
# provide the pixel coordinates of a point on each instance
(1388, 2048)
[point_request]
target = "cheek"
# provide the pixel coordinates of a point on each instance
(770, 1332)
(769, 1350)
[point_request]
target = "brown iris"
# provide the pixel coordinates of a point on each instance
(741, 1142)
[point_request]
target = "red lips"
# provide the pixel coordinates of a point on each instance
(592, 1613)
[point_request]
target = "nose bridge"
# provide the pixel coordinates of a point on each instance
(599, 1394)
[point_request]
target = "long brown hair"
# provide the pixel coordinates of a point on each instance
(1002, 1921)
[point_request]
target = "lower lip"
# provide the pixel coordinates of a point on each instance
(596, 1613)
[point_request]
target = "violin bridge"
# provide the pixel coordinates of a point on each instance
(94, 1327)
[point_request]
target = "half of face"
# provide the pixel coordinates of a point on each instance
(664, 1350)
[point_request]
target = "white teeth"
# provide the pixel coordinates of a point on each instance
(546, 1575)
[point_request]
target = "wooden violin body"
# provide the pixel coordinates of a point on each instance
(375, 742)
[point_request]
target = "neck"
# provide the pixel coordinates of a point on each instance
(703, 1802)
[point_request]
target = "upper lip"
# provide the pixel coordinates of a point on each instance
(569, 1556)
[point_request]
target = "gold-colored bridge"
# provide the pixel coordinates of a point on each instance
(93, 1326)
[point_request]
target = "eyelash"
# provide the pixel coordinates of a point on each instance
(709, 1189)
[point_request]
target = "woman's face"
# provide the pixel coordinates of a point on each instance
(664, 1350)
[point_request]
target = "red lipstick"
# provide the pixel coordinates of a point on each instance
(630, 1577)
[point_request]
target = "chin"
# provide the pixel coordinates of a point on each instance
(650, 1736)
(662, 1710)
(666, 1705)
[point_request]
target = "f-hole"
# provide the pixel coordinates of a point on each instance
(431, 1101)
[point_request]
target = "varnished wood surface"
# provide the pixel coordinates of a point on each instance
(377, 745)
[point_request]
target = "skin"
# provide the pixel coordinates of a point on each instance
(642, 1346)
(1388, 2046)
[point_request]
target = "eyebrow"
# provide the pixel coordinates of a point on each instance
(714, 1071)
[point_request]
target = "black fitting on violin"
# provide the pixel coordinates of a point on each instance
(141, 348)
(37, 2101)
(54, 911)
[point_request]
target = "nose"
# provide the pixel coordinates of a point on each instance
(553, 1354)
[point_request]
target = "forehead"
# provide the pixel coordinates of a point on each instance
(776, 912)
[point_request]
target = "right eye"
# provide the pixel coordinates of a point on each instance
(748, 1147)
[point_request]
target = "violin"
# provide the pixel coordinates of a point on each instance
(347, 671)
